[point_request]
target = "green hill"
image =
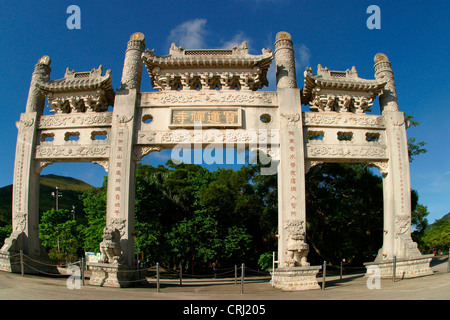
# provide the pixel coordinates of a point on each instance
(70, 189)
(445, 217)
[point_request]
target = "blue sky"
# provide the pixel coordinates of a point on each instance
(414, 35)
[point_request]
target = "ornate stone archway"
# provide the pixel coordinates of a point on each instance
(217, 88)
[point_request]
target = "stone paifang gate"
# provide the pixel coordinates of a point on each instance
(216, 88)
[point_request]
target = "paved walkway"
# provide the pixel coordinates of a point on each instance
(434, 287)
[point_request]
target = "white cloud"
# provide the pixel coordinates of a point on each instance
(303, 57)
(236, 40)
(190, 34)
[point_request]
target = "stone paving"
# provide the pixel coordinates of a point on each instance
(351, 287)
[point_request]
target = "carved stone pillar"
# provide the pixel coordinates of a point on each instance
(25, 206)
(132, 66)
(117, 266)
(383, 71)
(122, 166)
(294, 271)
(285, 61)
(397, 239)
(36, 98)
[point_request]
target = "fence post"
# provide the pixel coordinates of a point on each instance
(324, 274)
(242, 278)
(157, 277)
(21, 263)
(235, 274)
(82, 271)
(394, 267)
(340, 276)
(181, 275)
(273, 266)
(448, 260)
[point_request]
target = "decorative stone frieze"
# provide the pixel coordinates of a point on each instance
(333, 119)
(224, 136)
(75, 120)
(345, 152)
(208, 98)
(61, 152)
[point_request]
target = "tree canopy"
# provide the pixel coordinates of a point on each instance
(190, 216)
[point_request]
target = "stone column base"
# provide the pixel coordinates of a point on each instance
(10, 262)
(296, 278)
(404, 269)
(115, 275)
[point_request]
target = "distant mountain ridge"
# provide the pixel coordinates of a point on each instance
(70, 188)
(446, 217)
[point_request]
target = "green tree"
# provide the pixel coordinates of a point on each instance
(414, 148)
(438, 237)
(187, 214)
(60, 235)
(94, 201)
(195, 240)
(344, 208)
(266, 261)
(5, 231)
(419, 223)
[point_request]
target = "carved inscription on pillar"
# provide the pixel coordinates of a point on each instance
(401, 174)
(25, 126)
(120, 153)
(19, 181)
(291, 161)
(293, 172)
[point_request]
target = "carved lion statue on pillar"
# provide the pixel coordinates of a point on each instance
(110, 250)
(296, 247)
